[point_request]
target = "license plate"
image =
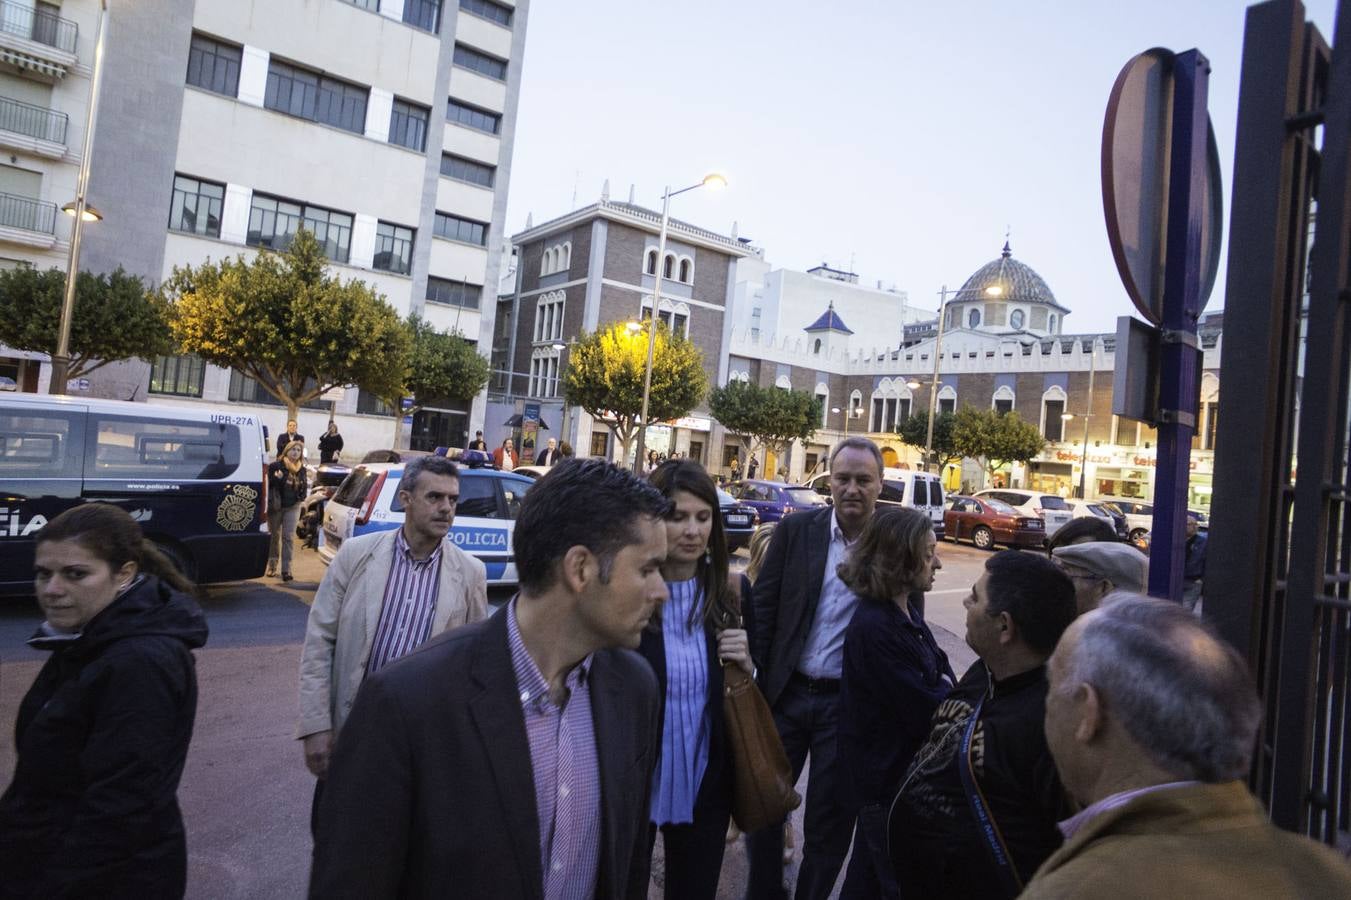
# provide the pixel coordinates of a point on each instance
(738, 520)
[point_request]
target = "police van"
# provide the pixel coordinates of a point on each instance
(485, 516)
(192, 477)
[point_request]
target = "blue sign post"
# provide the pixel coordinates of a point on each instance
(1162, 197)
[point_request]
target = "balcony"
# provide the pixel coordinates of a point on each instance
(34, 129)
(24, 220)
(37, 41)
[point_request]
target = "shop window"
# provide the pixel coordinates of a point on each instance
(600, 444)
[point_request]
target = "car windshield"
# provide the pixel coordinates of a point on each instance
(1051, 501)
(803, 496)
(725, 499)
(1000, 507)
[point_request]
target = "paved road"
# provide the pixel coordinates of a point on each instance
(245, 792)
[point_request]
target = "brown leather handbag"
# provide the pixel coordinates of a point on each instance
(762, 779)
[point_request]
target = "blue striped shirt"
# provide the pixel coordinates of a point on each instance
(685, 725)
(409, 604)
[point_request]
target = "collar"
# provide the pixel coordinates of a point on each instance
(532, 687)
(836, 532)
(1002, 687)
(1070, 826)
(402, 548)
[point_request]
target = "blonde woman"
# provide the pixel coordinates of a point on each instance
(287, 484)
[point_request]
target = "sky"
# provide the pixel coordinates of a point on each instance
(899, 140)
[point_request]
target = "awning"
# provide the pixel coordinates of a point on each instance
(518, 421)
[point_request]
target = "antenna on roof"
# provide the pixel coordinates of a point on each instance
(575, 177)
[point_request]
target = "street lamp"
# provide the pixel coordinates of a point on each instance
(855, 412)
(712, 180)
(82, 212)
(559, 347)
(1083, 456)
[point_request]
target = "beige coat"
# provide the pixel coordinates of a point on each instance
(1201, 842)
(346, 612)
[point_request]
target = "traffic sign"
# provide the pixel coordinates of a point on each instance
(1137, 148)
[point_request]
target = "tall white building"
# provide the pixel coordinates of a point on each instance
(383, 126)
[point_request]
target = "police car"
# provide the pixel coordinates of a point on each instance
(368, 500)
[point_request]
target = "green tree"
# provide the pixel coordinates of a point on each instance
(115, 317)
(605, 378)
(915, 429)
(440, 365)
(284, 321)
(995, 439)
(765, 416)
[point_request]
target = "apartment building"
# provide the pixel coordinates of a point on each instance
(383, 126)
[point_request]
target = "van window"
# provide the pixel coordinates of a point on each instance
(37, 446)
(126, 447)
(935, 494)
(892, 491)
(354, 489)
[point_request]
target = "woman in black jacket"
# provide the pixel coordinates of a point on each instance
(103, 732)
(287, 484)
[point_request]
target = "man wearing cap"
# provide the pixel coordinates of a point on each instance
(1098, 568)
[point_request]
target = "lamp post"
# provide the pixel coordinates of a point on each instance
(853, 412)
(712, 180)
(82, 212)
(1083, 456)
(560, 348)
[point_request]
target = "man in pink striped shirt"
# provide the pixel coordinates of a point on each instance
(384, 595)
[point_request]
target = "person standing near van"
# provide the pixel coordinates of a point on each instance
(384, 595)
(287, 482)
(292, 434)
(103, 733)
(330, 445)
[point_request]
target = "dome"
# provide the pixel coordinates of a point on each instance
(1011, 281)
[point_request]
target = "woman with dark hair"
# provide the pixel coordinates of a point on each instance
(102, 734)
(287, 484)
(692, 637)
(894, 677)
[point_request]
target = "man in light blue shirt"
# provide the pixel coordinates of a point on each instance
(801, 613)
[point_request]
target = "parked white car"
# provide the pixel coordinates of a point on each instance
(1139, 515)
(1050, 508)
(1084, 508)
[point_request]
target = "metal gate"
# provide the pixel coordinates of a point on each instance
(1278, 582)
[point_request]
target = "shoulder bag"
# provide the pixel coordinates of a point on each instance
(762, 779)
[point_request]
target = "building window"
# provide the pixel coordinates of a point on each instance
(273, 222)
(557, 258)
(1054, 426)
(469, 170)
(214, 65)
(493, 12)
(319, 98)
(549, 316)
(482, 63)
(650, 264)
(458, 229)
(996, 313)
(1051, 325)
(680, 324)
(668, 266)
(543, 373)
(424, 14)
(244, 389)
(1211, 420)
(686, 270)
(453, 293)
(372, 5)
(196, 206)
(177, 375)
(370, 405)
(472, 117)
(973, 317)
(1003, 407)
(600, 443)
(393, 248)
(408, 125)
(1016, 320)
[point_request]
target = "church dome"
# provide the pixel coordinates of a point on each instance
(1006, 279)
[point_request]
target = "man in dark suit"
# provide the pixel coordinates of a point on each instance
(549, 455)
(802, 610)
(292, 433)
(513, 758)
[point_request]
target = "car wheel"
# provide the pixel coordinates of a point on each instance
(983, 538)
(179, 559)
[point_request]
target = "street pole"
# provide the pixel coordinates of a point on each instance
(1083, 461)
(933, 385)
(652, 328)
(563, 437)
(61, 359)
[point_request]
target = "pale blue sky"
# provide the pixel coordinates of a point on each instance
(902, 135)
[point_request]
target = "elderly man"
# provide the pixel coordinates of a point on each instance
(802, 611)
(1100, 567)
(1152, 721)
(977, 810)
(513, 758)
(549, 455)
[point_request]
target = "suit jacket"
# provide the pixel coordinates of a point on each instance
(548, 457)
(346, 613)
(430, 791)
(1203, 842)
(786, 595)
(715, 791)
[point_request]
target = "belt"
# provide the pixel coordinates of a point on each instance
(815, 685)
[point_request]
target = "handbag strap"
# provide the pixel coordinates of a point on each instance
(980, 808)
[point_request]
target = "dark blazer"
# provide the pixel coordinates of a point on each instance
(430, 793)
(715, 791)
(547, 457)
(785, 596)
